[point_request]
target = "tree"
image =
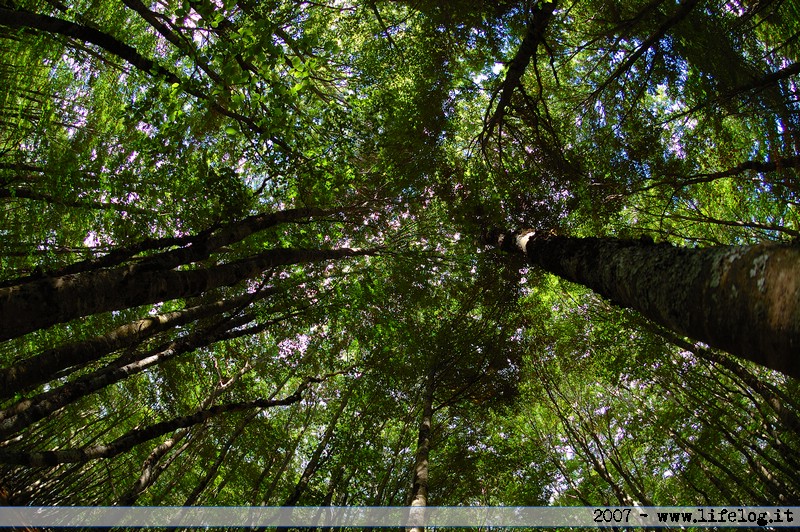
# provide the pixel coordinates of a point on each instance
(204, 206)
(739, 299)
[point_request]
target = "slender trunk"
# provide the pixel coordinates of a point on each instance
(193, 459)
(31, 194)
(580, 442)
(534, 36)
(784, 407)
(213, 471)
(191, 248)
(152, 467)
(734, 478)
(744, 300)
(30, 410)
(42, 303)
(135, 437)
(314, 462)
(287, 460)
(150, 472)
(19, 18)
(419, 490)
(44, 366)
(181, 43)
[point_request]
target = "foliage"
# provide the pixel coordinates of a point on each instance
(135, 138)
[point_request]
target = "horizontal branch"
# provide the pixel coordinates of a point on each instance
(755, 166)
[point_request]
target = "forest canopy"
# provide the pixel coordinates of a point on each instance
(398, 252)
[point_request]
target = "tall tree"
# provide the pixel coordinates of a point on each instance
(744, 300)
(202, 203)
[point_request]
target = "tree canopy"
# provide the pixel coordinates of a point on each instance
(244, 255)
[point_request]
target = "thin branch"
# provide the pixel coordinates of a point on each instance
(137, 436)
(516, 68)
(756, 166)
(683, 10)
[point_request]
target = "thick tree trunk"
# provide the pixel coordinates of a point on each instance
(744, 300)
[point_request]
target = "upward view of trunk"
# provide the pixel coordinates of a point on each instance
(48, 301)
(315, 461)
(41, 368)
(419, 490)
(744, 299)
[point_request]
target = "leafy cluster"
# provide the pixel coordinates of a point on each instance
(256, 231)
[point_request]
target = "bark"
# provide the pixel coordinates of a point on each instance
(742, 299)
(39, 304)
(135, 437)
(419, 490)
(44, 366)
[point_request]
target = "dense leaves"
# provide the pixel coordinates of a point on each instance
(241, 257)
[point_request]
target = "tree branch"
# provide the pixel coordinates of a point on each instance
(136, 436)
(516, 68)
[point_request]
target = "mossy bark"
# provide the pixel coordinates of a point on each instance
(741, 299)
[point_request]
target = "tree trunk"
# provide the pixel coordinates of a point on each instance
(29, 410)
(44, 366)
(744, 300)
(314, 462)
(42, 303)
(419, 490)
